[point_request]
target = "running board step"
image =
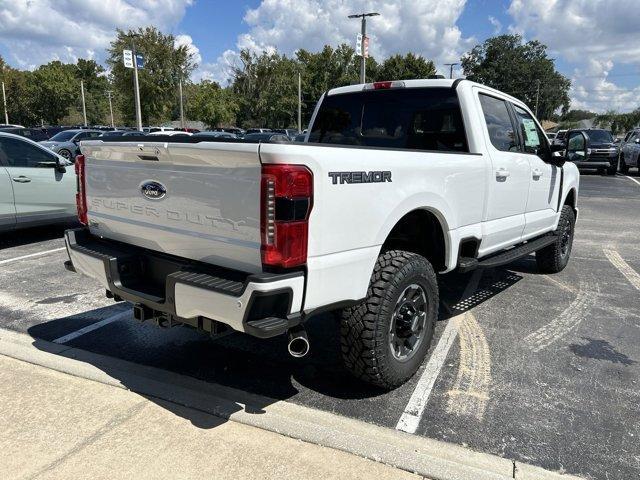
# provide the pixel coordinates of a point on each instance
(466, 264)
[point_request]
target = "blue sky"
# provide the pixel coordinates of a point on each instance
(593, 43)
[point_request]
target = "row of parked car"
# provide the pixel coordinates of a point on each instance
(604, 153)
(65, 141)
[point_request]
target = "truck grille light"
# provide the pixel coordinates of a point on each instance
(287, 196)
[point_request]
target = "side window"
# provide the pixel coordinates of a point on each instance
(81, 136)
(532, 136)
(499, 125)
(95, 134)
(17, 153)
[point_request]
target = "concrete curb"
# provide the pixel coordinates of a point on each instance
(430, 458)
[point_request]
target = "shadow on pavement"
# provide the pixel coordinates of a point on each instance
(245, 364)
(17, 238)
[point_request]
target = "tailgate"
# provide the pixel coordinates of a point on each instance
(199, 201)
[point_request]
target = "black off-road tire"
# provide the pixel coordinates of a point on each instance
(612, 170)
(364, 328)
(553, 258)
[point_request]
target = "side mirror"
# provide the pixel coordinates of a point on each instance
(576, 147)
(61, 165)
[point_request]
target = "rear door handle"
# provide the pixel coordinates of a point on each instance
(537, 173)
(502, 173)
(21, 179)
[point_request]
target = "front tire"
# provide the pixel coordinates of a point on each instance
(63, 152)
(553, 258)
(624, 168)
(611, 170)
(385, 339)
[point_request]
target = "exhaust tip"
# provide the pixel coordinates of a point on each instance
(298, 344)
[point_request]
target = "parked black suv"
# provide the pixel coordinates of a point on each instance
(602, 152)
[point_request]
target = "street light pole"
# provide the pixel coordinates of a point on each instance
(181, 105)
(136, 86)
(363, 31)
(299, 103)
(4, 102)
(109, 92)
(451, 65)
(84, 108)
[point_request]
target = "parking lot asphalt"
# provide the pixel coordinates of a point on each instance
(536, 368)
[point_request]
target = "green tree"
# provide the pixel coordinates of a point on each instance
(266, 87)
(165, 65)
(51, 90)
(96, 84)
(519, 69)
(618, 122)
(577, 115)
(329, 68)
(405, 67)
(19, 106)
(212, 105)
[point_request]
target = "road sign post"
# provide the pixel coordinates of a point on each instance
(135, 61)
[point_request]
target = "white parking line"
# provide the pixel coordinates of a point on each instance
(631, 178)
(92, 327)
(410, 418)
(624, 268)
(32, 255)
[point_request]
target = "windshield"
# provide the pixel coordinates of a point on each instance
(64, 136)
(600, 136)
(412, 118)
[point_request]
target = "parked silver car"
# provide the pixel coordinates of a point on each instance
(37, 186)
(67, 142)
(630, 152)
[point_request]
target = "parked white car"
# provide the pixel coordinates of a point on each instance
(37, 186)
(397, 181)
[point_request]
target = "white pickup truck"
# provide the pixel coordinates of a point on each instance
(396, 181)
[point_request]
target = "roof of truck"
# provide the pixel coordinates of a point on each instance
(435, 82)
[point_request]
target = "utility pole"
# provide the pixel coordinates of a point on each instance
(537, 95)
(4, 102)
(84, 108)
(181, 105)
(299, 103)
(136, 86)
(451, 65)
(109, 92)
(363, 31)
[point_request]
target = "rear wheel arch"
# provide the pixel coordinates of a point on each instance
(420, 231)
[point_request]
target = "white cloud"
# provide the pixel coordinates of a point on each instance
(427, 27)
(37, 31)
(591, 35)
(187, 41)
(497, 25)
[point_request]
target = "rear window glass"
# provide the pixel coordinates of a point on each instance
(412, 118)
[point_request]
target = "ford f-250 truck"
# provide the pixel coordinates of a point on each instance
(396, 181)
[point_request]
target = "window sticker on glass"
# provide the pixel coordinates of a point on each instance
(530, 132)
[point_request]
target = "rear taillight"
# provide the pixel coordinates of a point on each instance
(81, 194)
(287, 198)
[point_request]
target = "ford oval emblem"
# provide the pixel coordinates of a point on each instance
(153, 190)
